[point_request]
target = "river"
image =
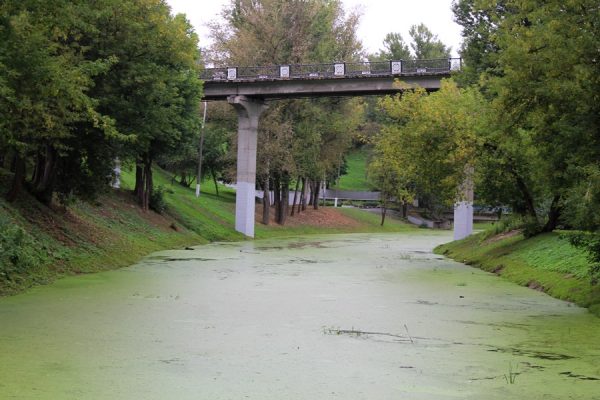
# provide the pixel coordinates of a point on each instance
(360, 316)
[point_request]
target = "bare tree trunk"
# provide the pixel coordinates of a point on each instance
(305, 187)
(45, 185)
(285, 199)
(277, 198)
(148, 184)
(404, 209)
(527, 196)
(383, 210)
(317, 186)
(266, 201)
(553, 215)
(138, 191)
(301, 200)
(18, 179)
(38, 169)
(295, 196)
(214, 175)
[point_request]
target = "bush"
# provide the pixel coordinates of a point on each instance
(157, 200)
(590, 242)
(532, 227)
(506, 224)
(17, 252)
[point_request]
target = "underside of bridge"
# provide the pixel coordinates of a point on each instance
(250, 95)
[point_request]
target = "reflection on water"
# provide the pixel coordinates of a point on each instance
(345, 316)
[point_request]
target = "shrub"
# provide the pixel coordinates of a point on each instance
(532, 227)
(157, 200)
(590, 242)
(506, 224)
(17, 251)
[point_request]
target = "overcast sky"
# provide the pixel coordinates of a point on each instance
(379, 17)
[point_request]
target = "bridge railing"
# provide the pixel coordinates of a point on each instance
(338, 70)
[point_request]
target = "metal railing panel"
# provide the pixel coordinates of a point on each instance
(352, 69)
(426, 66)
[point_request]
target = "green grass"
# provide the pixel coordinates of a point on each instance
(481, 226)
(546, 262)
(356, 177)
(114, 232)
(210, 216)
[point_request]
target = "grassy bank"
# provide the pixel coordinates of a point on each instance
(356, 176)
(40, 244)
(545, 262)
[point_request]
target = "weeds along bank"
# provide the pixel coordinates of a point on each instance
(39, 244)
(546, 262)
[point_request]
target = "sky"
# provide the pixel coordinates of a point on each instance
(379, 17)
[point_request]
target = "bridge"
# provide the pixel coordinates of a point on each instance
(249, 89)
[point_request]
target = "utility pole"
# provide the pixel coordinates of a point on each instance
(199, 176)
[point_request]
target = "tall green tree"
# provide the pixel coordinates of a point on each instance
(428, 146)
(538, 67)
(268, 32)
(46, 97)
(426, 45)
(153, 90)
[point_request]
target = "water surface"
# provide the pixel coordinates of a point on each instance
(341, 316)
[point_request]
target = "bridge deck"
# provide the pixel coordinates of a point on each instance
(338, 79)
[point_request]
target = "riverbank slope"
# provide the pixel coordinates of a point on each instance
(545, 262)
(39, 244)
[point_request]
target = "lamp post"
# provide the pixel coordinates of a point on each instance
(199, 176)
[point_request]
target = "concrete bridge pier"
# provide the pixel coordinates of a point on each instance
(248, 110)
(463, 208)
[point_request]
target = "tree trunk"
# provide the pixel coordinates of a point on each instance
(183, 181)
(553, 215)
(266, 202)
(214, 175)
(38, 169)
(383, 212)
(301, 201)
(305, 188)
(295, 196)
(277, 198)
(285, 199)
(138, 191)
(45, 186)
(529, 203)
(18, 179)
(405, 210)
(149, 183)
(317, 186)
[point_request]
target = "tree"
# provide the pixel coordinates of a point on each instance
(479, 26)
(426, 148)
(153, 91)
(425, 45)
(394, 48)
(84, 82)
(291, 140)
(45, 105)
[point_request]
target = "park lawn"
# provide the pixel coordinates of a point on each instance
(356, 176)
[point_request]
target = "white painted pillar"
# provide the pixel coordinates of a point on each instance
(463, 208)
(249, 111)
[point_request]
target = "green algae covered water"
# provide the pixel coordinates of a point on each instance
(333, 317)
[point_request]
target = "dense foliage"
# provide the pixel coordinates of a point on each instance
(84, 83)
(301, 141)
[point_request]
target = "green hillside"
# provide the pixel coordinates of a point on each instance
(356, 176)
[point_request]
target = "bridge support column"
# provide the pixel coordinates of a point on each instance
(463, 208)
(248, 111)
